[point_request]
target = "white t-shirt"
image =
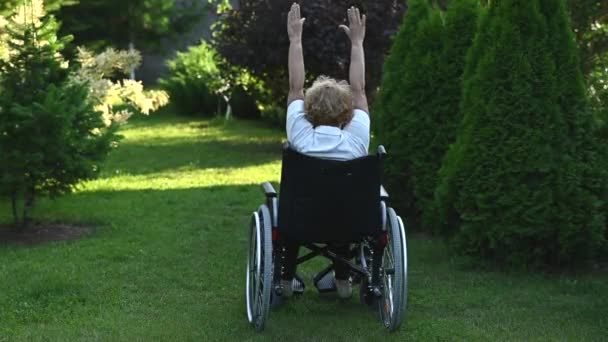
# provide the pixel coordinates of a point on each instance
(327, 142)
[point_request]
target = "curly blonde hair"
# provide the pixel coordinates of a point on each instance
(329, 102)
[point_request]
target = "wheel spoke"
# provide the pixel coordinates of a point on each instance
(259, 298)
(259, 290)
(388, 271)
(390, 295)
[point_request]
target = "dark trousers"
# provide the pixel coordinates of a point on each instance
(290, 257)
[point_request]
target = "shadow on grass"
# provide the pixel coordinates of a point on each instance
(190, 143)
(141, 158)
(195, 236)
(162, 117)
(166, 117)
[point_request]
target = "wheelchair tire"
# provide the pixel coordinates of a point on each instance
(259, 268)
(393, 303)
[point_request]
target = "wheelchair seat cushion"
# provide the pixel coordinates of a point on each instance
(327, 200)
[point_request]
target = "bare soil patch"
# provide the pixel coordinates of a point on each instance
(43, 233)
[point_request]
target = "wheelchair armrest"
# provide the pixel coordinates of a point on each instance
(269, 190)
(383, 193)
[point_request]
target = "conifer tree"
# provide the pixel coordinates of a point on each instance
(516, 187)
(50, 135)
(418, 105)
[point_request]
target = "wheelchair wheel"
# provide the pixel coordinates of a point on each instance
(259, 268)
(394, 274)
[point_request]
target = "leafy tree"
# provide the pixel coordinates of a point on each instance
(417, 107)
(520, 185)
(117, 23)
(589, 20)
(254, 37)
(590, 23)
(50, 135)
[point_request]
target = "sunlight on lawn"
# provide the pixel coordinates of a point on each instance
(187, 178)
(214, 130)
(196, 154)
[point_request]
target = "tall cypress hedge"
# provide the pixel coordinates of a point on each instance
(418, 104)
(520, 186)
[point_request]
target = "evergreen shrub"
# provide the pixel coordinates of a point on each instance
(201, 82)
(417, 108)
(521, 184)
(51, 136)
(194, 75)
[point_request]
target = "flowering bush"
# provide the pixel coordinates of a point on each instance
(3, 45)
(117, 101)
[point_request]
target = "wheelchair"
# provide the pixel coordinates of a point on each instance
(323, 202)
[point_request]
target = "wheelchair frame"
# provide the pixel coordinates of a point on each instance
(380, 266)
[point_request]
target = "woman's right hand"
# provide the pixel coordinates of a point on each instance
(295, 23)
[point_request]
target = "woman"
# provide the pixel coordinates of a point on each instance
(330, 120)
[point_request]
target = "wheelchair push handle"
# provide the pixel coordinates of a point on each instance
(381, 152)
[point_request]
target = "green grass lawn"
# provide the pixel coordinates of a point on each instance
(166, 261)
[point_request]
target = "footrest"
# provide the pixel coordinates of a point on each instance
(298, 286)
(324, 280)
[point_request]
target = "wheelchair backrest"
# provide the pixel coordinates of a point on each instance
(329, 201)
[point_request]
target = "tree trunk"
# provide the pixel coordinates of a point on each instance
(131, 48)
(28, 205)
(130, 29)
(228, 113)
(14, 207)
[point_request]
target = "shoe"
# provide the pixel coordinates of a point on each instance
(344, 287)
(287, 286)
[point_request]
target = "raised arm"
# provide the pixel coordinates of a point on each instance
(356, 32)
(296, 57)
